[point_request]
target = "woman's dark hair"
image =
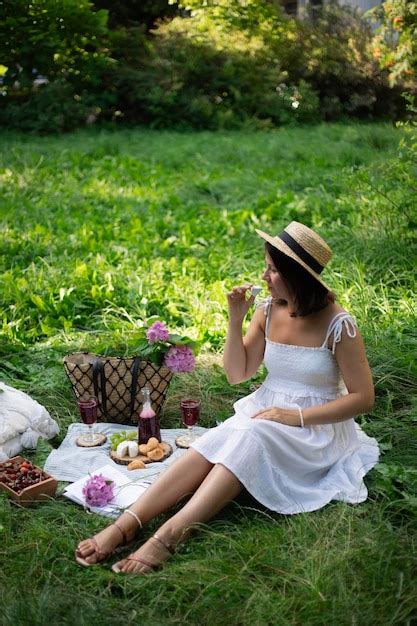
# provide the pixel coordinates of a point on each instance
(309, 295)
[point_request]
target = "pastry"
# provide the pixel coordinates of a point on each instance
(134, 465)
(152, 443)
(156, 454)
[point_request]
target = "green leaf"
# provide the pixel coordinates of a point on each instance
(38, 302)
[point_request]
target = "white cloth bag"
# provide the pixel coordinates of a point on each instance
(22, 421)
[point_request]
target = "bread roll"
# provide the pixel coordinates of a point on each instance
(134, 465)
(156, 454)
(152, 443)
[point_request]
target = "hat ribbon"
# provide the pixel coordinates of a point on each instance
(301, 252)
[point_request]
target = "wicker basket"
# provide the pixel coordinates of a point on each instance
(117, 384)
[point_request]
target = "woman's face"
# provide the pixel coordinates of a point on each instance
(273, 279)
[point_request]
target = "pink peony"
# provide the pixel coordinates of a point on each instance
(98, 490)
(157, 332)
(180, 359)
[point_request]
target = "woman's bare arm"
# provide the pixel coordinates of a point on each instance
(356, 373)
(243, 355)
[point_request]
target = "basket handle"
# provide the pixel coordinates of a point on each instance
(135, 376)
(99, 380)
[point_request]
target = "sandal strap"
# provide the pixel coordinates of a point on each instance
(152, 566)
(122, 531)
(166, 545)
(101, 554)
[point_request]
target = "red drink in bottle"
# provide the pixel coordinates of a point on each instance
(148, 421)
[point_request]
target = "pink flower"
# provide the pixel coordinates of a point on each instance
(98, 490)
(180, 359)
(157, 332)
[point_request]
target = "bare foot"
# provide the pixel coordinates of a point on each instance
(149, 557)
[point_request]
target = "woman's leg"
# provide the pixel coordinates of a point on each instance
(180, 479)
(218, 488)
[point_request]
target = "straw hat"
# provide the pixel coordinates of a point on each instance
(304, 246)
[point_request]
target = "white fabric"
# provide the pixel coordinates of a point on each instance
(290, 469)
(22, 421)
(339, 321)
(10, 448)
(70, 462)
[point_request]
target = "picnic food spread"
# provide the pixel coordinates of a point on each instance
(149, 452)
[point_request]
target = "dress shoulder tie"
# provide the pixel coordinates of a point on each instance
(266, 304)
(342, 319)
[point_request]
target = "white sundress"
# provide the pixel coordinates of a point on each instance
(291, 469)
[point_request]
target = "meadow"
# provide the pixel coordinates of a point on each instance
(102, 230)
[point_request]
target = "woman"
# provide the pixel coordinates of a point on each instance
(293, 443)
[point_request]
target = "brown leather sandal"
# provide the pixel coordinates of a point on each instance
(102, 555)
(152, 566)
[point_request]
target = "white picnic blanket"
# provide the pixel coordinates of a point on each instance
(70, 462)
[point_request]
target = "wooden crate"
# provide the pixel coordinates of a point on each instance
(39, 491)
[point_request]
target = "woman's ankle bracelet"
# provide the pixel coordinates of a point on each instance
(133, 514)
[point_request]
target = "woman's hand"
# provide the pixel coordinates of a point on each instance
(290, 417)
(239, 305)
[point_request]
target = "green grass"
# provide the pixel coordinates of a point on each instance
(101, 230)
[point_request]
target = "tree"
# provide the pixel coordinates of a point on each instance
(130, 13)
(58, 39)
(395, 44)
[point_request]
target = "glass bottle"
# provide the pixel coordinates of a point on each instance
(148, 420)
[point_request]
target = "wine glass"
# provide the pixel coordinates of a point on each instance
(87, 406)
(190, 414)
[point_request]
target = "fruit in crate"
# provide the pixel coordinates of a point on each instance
(24, 481)
(18, 475)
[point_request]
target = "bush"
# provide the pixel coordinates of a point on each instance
(221, 68)
(51, 108)
(195, 74)
(395, 42)
(336, 59)
(58, 39)
(222, 64)
(61, 42)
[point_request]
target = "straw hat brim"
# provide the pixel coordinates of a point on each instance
(282, 247)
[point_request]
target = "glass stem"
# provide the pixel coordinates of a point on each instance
(190, 434)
